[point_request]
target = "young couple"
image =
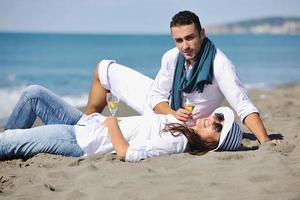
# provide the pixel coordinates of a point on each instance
(195, 71)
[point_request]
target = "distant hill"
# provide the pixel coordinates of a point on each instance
(269, 25)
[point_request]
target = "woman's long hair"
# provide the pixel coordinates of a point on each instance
(196, 145)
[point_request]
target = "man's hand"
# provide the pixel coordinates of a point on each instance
(274, 141)
(183, 115)
(180, 114)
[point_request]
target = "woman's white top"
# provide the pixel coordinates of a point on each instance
(143, 133)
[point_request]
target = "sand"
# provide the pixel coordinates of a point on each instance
(264, 172)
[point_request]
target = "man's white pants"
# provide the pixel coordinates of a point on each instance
(130, 86)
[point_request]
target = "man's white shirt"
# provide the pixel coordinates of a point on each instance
(226, 83)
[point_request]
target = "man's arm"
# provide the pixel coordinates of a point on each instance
(235, 93)
(162, 85)
(117, 139)
(256, 126)
(97, 95)
(180, 114)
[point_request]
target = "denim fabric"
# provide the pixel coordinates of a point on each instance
(55, 139)
(37, 101)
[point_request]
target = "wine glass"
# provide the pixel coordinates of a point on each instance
(189, 106)
(113, 103)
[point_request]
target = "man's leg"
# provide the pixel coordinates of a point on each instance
(37, 101)
(56, 139)
(129, 85)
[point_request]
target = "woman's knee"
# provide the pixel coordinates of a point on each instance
(34, 91)
(96, 70)
(101, 71)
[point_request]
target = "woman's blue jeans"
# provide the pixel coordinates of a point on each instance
(37, 101)
(55, 139)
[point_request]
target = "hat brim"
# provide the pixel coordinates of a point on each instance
(228, 121)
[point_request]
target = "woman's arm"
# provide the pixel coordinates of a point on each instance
(166, 144)
(117, 139)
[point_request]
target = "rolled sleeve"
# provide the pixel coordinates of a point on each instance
(233, 89)
(162, 85)
(161, 88)
(165, 145)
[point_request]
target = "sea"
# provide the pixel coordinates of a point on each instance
(65, 63)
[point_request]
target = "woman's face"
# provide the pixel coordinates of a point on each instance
(209, 128)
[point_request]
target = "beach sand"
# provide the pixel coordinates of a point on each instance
(267, 172)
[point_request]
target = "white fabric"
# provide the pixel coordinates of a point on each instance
(143, 133)
(228, 121)
(225, 83)
(130, 86)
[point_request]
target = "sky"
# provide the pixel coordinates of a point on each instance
(130, 16)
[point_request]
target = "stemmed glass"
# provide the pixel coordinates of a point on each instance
(113, 103)
(189, 106)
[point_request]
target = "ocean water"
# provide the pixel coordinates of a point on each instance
(65, 62)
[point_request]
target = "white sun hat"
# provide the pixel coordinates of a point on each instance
(231, 134)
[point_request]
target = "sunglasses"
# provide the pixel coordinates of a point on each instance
(219, 117)
(217, 126)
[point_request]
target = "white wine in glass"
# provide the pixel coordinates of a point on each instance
(188, 107)
(113, 103)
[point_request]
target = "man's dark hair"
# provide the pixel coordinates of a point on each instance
(186, 18)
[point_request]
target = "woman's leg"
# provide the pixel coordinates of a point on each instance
(129, 85)
(37, 101)
(55, 139)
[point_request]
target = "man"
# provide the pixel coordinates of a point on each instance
(204, 78)
(200, 72)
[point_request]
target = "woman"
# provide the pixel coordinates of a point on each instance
(132, 138)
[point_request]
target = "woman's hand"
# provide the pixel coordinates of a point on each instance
(111, 122)
(117, 139)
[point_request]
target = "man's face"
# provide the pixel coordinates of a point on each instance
(188, 41)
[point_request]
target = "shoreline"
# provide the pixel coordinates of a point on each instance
(264, 172)
(123, 113)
